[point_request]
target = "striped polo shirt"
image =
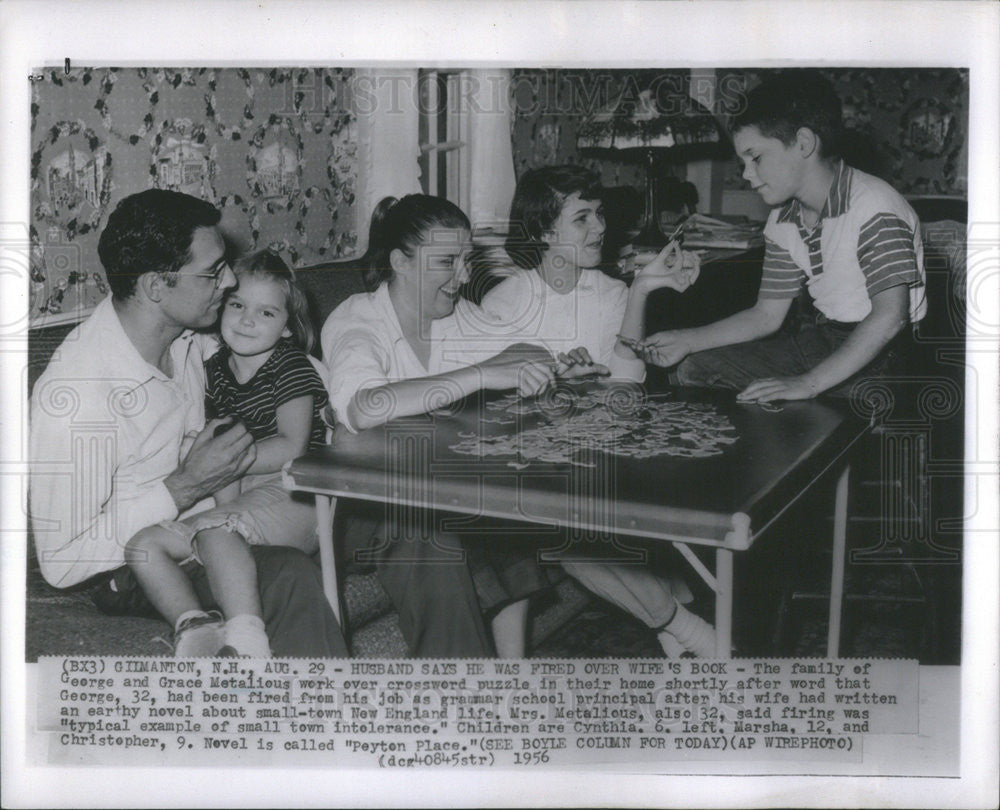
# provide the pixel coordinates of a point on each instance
(867, 240)
(286, 375)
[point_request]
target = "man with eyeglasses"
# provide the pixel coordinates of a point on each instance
(110, 413)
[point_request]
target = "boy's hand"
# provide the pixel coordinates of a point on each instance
(672, 267)
(666, 348)
(772, 388)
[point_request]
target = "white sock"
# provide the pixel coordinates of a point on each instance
(245, 634)
(694, 633)
(672, 648)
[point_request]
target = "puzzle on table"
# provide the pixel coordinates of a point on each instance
(620, 422)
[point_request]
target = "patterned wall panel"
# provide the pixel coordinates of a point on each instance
(276, 150)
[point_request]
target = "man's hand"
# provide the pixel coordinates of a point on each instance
(772, 388)
(666, 348)
(672, 267)
(211, 463)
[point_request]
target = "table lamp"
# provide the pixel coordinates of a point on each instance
(676, 126)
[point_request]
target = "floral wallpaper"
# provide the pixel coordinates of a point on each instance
(549, 106)
(908, 126)
(274, 149)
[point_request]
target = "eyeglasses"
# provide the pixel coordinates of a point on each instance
(217, 276)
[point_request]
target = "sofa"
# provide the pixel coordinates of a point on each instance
(61, 622)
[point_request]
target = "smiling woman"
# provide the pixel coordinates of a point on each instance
(386, 348)
(576, 236)
(400, 351)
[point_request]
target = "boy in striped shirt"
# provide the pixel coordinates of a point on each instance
(849, 237)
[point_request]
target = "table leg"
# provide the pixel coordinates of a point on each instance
(325, 507)
(837, 573)
(723, 603)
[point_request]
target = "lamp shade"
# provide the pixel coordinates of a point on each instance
(645, 121)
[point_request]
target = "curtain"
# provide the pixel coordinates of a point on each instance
(491, 160)
(388, 145)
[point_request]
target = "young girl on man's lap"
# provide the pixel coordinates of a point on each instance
(263, 377)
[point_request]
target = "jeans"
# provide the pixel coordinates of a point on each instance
(783, 354)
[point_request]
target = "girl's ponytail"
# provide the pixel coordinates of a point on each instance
(402, 225)
(376, 259)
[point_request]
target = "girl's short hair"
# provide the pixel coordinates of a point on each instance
(538, 201)
(403, 224)
(269, 264)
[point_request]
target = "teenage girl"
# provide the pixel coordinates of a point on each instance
(555, 296)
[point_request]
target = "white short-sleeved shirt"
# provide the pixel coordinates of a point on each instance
(106, 430)
(867, 239)
(589, 316)
(364, 346)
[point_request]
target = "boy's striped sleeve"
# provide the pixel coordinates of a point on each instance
(782, 277)
(887, 254)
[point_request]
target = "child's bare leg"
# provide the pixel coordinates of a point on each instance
(153, 555)
(232, 575)
(510, 628)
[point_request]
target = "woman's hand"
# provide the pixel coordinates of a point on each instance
(578, 363)
(578, 356)
(529, 369)
(672, 267)
(533, 378)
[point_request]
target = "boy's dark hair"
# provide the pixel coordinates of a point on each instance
(784, 102)
(151, 232)
(538, 201)
(403, 225)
